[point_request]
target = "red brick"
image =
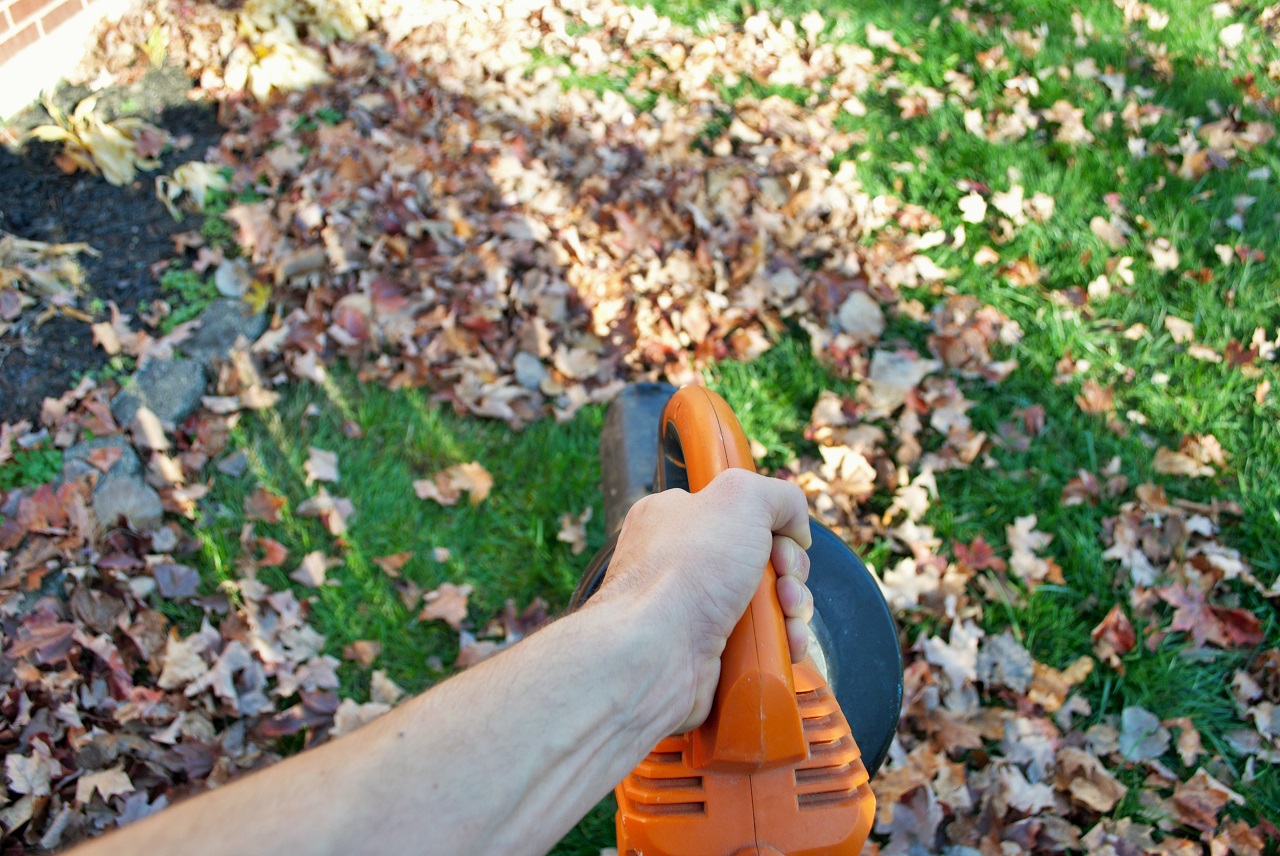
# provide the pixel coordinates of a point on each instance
(24, 9)
(5, 24)
(59, 15)
(17, 41)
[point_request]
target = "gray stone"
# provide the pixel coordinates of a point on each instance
(75, 461)
(121, 489)
(529, 370)
(221, 324)
(129, 496)
(171, 389)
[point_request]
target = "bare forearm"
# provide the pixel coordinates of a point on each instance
(504, 758)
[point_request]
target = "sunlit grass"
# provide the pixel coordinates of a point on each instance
(507, 547)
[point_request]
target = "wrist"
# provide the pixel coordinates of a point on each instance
(654, 677)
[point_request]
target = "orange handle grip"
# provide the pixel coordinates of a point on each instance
(755, 722)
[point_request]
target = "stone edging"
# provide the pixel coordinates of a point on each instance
(171, 389)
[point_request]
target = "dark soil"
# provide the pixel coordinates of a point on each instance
(128, 226)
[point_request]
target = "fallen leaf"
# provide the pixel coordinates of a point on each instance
(862, 318)
(148, 432)
(315, 565)
(973, 208)
(1188, 744)
(1173, 463)
(1142, 737)
(978, 555)
(183, 662)
(362, 652)
(1110, 232)
(393, 563)
(1095, 398)
(384, 690)
(1164, 257)
(27, 774)
(273, 553)
(1113, 638)
(1003, 662)
(447, 603)
(446, 486)
(321, 465)
(1024, 542)
(107, 783)
(1050, 687)
(892, 376)
(475, 480)
(104, 458)
(1199, 800)
(351, 715)
(333, 511)
(573, 530)
(986, 256)
(1231, 36)
(263, 505)
(1089, 783)
(176, 582)
(1181, 331)
(472, 651)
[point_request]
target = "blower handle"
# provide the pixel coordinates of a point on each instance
(755, 721)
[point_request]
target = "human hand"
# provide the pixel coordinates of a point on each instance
(691, 562)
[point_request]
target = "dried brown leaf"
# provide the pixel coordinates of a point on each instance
(447, 603)
(263, 505)
(1200, 800)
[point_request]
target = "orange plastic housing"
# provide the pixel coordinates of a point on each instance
(774, 769)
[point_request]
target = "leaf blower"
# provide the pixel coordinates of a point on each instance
(782, 765)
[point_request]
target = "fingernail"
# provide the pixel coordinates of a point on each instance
(793, 557)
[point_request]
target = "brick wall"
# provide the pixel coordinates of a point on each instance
(25, 22)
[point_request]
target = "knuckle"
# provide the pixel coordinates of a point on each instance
(733, 481)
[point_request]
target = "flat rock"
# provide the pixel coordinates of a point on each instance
(75, 461)
(171, 389)
(221, 324)
(118, 495)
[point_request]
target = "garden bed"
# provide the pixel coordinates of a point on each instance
(128, 227)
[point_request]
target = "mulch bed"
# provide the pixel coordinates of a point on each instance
(128, 226)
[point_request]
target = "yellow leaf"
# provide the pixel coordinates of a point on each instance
(257, 295)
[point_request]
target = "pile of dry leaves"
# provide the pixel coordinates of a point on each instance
(468, 224)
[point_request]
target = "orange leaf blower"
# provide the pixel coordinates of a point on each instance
(776, 768)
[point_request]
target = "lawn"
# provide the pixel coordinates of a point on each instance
(1048, 415)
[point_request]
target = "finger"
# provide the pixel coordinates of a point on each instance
(797, 639)
(795, 599)
(788, 559)
(782, 502)
(789, 511)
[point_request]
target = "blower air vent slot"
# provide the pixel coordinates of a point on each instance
(825, 747)
(669, 809)
(666, 757)
(681, 782)
(817, 774)
(820, 721)
(826, 799)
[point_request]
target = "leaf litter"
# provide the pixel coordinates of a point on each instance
(470, 224)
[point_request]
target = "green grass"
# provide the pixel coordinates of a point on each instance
(31, 467)
(506, 547)
(1162, 391)
(188, 294)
